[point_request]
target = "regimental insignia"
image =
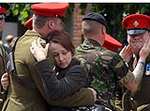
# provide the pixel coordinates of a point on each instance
(135, 23)
(147, 70)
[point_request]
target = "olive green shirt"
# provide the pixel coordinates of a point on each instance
(26, 92)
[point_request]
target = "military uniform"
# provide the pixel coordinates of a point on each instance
(3, 61)
(142, 97)
(23, 94)
(107, 68)
(3, 57)
(138, 24)
(28, 91)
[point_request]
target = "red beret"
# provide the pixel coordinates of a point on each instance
(136, 21)
(136, 24)
(28, 23)
(2, 10)
(50, 9)
(111, 43)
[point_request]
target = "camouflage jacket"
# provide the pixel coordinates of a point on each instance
(106, 68)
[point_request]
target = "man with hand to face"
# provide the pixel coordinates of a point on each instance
(137, 54)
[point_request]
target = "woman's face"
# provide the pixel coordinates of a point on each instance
(61, 56)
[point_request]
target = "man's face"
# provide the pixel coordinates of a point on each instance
(136, 42)
(2, 22)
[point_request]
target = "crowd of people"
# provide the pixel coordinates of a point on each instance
(44, 72)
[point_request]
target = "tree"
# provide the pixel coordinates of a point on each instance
(114, 14)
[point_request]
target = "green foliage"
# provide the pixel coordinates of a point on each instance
(22, 11)
(114, 14)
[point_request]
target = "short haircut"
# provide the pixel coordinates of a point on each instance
(92, 27)
(41, 20)
(63, 38)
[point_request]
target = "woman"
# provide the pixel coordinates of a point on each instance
(70, 79)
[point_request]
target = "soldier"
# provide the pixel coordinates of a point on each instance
(27, 91)
(138, 27)
(107, 66)
(2, 50)
(25, 75)
(3, 53)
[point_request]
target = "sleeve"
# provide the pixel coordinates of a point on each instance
(64, 87)
(119, 67)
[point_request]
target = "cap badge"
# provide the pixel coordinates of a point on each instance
(136, 23)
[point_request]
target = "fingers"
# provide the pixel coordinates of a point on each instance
(46, 47)
(5, 80)
(147, 40)
(127, 50)
(33, 45)
(146, 37)
(41, 43)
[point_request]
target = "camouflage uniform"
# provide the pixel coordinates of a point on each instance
(106, 68)
(29, 91)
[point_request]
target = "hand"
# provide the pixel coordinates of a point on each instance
(38, 50)
(5, 81)
(126, 53)
(145, 50)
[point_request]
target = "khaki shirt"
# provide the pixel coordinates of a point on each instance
(26, 91)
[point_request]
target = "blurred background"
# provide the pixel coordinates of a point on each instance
(19, 13)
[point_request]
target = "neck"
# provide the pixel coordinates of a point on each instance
(96, 38)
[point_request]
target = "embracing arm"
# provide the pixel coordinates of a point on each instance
(71, 83)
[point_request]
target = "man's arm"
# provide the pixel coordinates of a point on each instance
(74, 80)
(133, 84)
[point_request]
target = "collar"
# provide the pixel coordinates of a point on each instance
(92, 42)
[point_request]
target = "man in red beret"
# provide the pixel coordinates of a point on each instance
(27, 91)
(137, 54)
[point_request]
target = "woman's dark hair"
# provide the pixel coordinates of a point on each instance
(63, 38)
